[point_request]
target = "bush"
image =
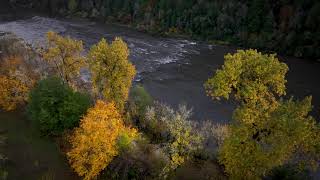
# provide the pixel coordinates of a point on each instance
(139, 100)
(55, 106)
(176, 131)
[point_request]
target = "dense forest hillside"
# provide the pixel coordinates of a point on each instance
(285, 26)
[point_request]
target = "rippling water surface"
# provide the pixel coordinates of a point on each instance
(172, 70)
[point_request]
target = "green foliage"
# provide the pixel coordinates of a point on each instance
(253, 151)
(177, 131)
(252, 78)
(55, 106)
(250, 75)
(139, 100)
(267, 132)
(232, 21)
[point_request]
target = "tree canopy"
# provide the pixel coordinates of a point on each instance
(112, 72)
(95, 142)
(65, 56)
(268, 132)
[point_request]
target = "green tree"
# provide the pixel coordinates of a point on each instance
(254, 79)
(139, 100)
(112, 72)
(55, 106)
(267, 132)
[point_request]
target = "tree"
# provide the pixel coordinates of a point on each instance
(112, 72)
(267, 132)
(291, 136)
(16, 79)
(95, 142)
(64, 54)
(55, 106)
(254, 79)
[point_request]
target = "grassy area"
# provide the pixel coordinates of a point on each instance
(30, 155)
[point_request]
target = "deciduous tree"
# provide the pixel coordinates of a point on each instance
(268, 132)
(112, 72)
(98, 139)
(65, 56)
(55, 106)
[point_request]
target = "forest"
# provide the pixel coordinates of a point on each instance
(289, 27)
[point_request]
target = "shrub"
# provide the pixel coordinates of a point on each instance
(138, 102)
(142, 161)
(55, 106)
(214, 136)
(177, 131)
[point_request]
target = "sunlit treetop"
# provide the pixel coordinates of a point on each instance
(112, 72)
(252, 77)
(100, 137)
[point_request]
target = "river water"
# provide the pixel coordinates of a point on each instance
(172, 70)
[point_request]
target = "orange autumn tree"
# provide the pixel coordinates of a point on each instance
(96, 142)
(16, 79)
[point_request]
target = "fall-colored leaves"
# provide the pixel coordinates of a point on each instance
(16, 79)
(56, 105)
(94, 143)
(65, 56)
(268, 131)
(112, 73)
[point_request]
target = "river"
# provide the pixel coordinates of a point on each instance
(172, 70)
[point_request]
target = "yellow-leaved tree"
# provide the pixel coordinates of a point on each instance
(112, 72)
(96, 142)
(65, 55)
(268, 131)
(16, 79)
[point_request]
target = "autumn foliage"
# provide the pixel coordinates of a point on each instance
(64, 54)
(95, 142)
(268, 132)
(16, 79)
(112, 72)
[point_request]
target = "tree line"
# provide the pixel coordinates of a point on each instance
(286, 26)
